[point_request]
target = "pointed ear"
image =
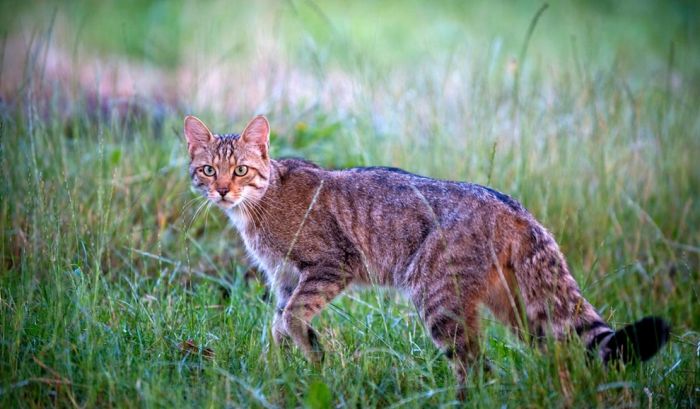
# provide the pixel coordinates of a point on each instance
(197, 133)
(257, 132)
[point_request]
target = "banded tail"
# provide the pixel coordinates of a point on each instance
(635, 342)
(554, 304)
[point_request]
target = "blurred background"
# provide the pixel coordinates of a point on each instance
(236, 58)
(585, 111)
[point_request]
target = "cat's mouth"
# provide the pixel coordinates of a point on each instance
(227, 203)
(224, 202)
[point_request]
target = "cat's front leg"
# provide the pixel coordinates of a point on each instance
(283, 280)
(317, 287)
(279, 331)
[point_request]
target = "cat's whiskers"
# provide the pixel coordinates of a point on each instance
(247, 215)
(206, 214)
(264, 213)
(267, 206)
(196, 213)
(253, 209)
(260, 211)
(252, 215)
(191, 202)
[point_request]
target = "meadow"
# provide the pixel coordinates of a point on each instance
(118, 288)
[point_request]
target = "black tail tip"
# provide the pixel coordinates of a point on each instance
(638, 341)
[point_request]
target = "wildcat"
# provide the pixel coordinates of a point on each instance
(448, 246)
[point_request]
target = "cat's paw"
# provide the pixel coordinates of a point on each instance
(316, 354)
(280, 334)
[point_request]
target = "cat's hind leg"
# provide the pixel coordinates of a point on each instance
(449, 309)
(503, 298)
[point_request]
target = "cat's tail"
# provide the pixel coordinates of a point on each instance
(638, 341)
(554, 304)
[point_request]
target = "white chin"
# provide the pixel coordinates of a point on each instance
(225, 204)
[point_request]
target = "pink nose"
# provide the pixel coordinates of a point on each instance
(222, 191)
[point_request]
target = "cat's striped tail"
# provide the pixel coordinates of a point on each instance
(554, 304)
(635, 342)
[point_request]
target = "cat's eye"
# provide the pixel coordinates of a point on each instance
(208, 170)
(240, 170)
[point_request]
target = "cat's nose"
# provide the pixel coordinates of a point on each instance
(222, 191)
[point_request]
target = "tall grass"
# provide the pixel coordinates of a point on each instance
(110, 266)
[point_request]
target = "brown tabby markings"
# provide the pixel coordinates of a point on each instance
(448, 246)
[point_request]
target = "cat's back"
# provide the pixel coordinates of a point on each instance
(402, 188)
(388, 197)
(391, 184)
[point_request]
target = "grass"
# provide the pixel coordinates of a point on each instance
(108, 268)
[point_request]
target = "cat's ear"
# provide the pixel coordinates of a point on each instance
(257, 132)
(197, 133)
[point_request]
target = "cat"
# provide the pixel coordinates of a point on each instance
(448, 246)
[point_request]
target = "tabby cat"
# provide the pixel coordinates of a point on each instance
(447, 246)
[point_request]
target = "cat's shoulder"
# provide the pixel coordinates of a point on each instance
(296, 169)
(292, 163)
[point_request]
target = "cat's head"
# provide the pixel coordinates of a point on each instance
(229, 169)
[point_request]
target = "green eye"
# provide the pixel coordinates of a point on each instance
(208, 170)
(240, 170)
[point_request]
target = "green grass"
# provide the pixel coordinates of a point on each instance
(108, 267)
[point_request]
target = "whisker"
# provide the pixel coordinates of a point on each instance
(190, 202)
(197, 201)
(206, 215)
(256, 210)
(196, 213)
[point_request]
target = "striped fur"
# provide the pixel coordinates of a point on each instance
(448, 246)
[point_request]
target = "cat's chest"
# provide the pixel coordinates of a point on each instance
(265, 256)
